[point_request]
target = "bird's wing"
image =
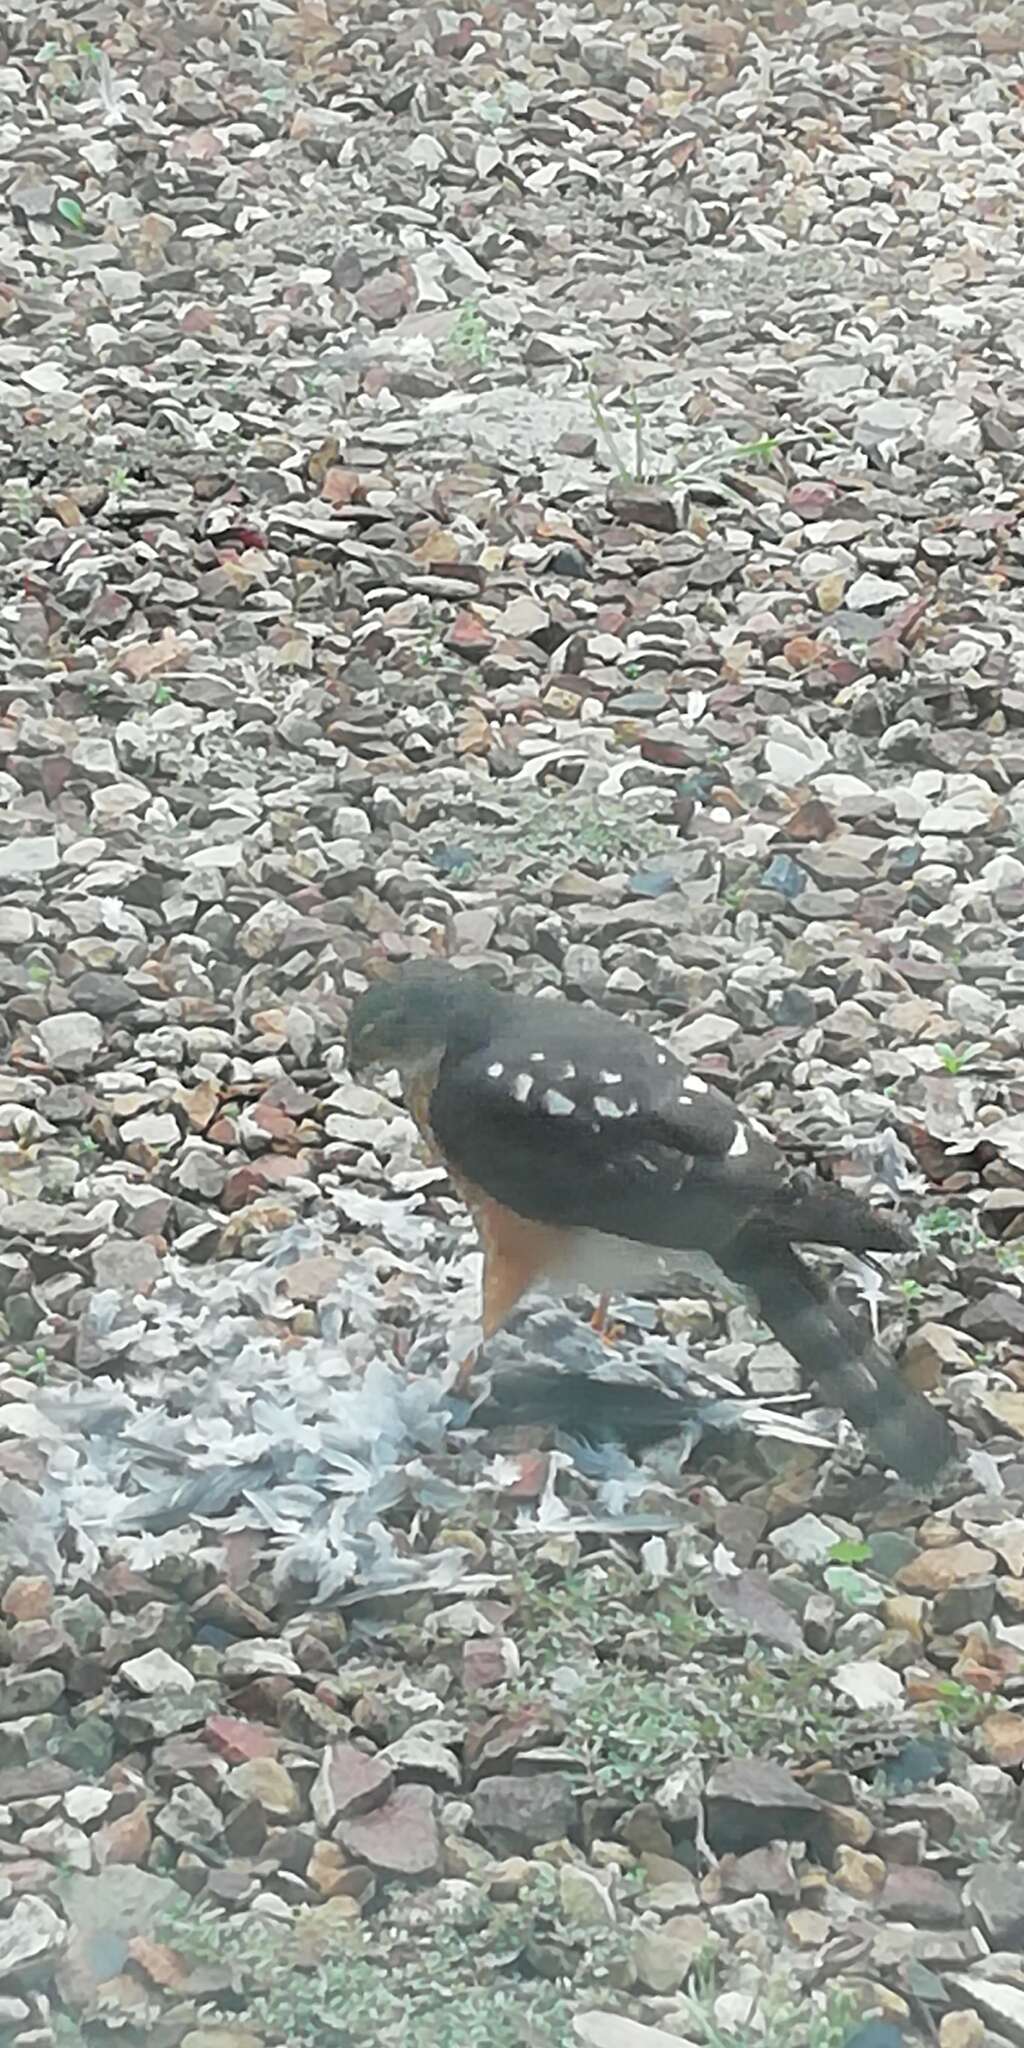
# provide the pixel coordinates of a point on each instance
(614, 1134)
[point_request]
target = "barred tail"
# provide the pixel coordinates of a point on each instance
(850, 1372)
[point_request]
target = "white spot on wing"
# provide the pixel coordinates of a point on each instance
(695, 1085)
(568, 1071)
(663, 1059)
(557, 1104)
(605, 1106)
(609, 1079)
(739, 1147)
(521, 1087)
(537, 1058)
(495, 1072)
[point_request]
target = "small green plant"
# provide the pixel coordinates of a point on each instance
(1011, 1254)
(631, 460)
(636, 471)
(959, 1706)
(850, 1550)
(17, 496)
(773, 2020)
(650, 1689)
(118, 482)
(469, 340)
(955, 1229)
(33, 1368)
(72, 211)
(956, 1057)
(552, 833)
(430, 648)
(163, 694)
(434, 1984)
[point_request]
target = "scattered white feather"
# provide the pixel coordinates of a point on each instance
(557, 1104)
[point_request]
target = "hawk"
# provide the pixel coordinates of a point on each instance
(590, 1157)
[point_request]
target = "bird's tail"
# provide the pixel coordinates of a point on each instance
(851, 1373)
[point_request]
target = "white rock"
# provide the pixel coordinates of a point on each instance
(974, 1008)
(262, 1657)
(157, 1671)
(345, 854)
(70, 1040)
(23, 859)
(869, 1684)
(889, 419)
(95, 756)
(953, 429)
(229, 855)
(24, 1419)
(702, 1034)
(791, 754)
(869, 591)
(835, 786)
(83, 852)
(46, 378)
(263, 932)
(349, 822)
(87, 1802)
(1003, 871)
(61, 1842)
(32, 1932)
(954, 818)
(1003, 2004)
(808, 1540)
(151, 1129)
(116, 799)
(832, 380)
(608, 2030)
(679, 1797)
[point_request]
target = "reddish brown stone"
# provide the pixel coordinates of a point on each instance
(350, 1782)
(125, 1840)
(401, 1838)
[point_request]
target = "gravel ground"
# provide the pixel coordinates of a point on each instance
(539, 484)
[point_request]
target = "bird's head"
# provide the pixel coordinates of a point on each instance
(410, 1019)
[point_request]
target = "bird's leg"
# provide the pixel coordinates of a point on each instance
(514, 1254)
(467, 1366)
(600, 1322)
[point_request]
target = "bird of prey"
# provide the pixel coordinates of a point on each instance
(590, 1157)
